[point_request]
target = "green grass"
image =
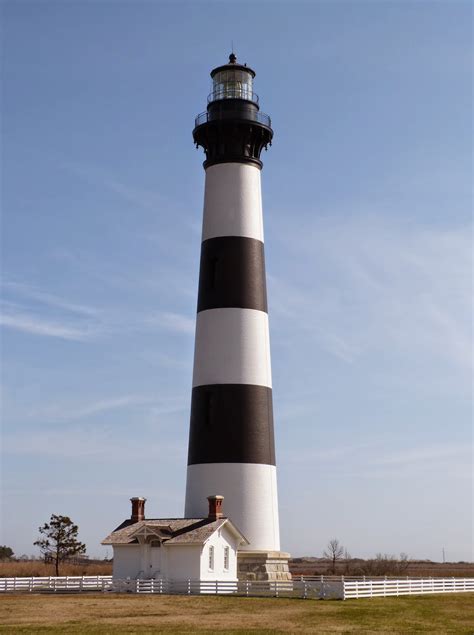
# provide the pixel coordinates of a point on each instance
(113, 613)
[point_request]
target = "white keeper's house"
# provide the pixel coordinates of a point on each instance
(175, 549)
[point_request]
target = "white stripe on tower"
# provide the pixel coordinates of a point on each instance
(250, 498)
(232, 347)
(231, 444)
(232, 201)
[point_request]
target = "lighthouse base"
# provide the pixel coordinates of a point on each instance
(263, 565)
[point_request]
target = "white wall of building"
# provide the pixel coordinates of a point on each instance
(179, 561)
(219, 543)
(182, 562)
(127, 561)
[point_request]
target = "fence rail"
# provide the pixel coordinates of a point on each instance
(307, 587)
(56, 583)
(283, 588)
(411, 586)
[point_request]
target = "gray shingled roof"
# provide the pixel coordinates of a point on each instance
(172, 530)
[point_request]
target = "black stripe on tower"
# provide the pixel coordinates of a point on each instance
(231, 423)
(232, 274)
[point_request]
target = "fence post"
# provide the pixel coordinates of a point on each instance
(189, 586)
(247, 587)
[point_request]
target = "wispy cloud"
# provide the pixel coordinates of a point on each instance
(72, 410)
(93, 442)
(148, 199)
(172, 322)
(331, 454)
(366, 284)
(38, 312)
(46, 298)
(431, 453)
(35, 325)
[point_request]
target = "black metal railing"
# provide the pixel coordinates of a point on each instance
(260, 117)
(233, 93)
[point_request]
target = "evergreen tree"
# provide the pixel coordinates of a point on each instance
(59, 540)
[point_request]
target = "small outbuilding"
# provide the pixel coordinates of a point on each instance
(176, 549)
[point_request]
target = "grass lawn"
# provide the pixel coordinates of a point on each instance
(112, 613)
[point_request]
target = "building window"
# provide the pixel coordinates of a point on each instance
(226, 557)
(211, 557)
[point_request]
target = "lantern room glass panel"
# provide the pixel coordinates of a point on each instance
(232, 84)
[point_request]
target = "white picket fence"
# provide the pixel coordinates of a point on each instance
(405, 586)
(320, 587)
(77, 584)
(287, 588)
(56, 583)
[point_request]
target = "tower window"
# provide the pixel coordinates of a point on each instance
(212, 272)
(208, 405)
(211, 557)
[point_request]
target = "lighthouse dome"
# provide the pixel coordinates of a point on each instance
(232, 81)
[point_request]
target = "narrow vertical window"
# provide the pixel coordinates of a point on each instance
(208, 407)
(211, 557)
(226, 557)
(212, 272)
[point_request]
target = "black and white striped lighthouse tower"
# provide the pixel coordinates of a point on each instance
(231, 443)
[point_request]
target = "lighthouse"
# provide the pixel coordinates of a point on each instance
(231, 440)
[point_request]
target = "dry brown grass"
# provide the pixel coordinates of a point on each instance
(36, 568)
(316, 566)
(111, 613)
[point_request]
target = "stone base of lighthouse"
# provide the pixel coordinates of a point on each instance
(271, 566)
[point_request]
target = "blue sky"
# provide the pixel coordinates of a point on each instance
(367, 203)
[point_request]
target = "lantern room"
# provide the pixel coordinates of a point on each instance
(232, 81)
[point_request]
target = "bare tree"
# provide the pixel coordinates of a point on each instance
(59, 539)
(385, 564)
(334, 552)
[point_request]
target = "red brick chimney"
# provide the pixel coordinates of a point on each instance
(215, 506)
(138, 508)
